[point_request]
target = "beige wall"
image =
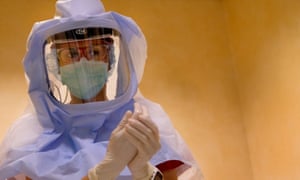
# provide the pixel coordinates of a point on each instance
(16, 20)
(189, 71)
(265, 38)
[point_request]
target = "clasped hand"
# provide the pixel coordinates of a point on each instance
(132, 143)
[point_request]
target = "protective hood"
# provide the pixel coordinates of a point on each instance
(80, 14)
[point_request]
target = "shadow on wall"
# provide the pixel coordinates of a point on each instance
(265, 41)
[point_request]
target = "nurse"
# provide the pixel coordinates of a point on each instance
(87, 117)
(85, 60)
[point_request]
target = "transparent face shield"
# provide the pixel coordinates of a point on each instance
(83, 66)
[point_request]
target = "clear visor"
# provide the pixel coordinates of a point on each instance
(82, 65)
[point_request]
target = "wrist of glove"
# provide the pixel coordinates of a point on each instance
(146, 172)
(106, 170)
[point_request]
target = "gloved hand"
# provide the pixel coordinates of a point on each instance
(144, 135)
(119, 153)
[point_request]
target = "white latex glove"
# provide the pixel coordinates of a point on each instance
(119, 153)
(144, 135)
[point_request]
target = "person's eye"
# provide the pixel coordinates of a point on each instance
(96, 52)
(99, 51)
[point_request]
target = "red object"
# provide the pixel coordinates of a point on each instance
(169, 165)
